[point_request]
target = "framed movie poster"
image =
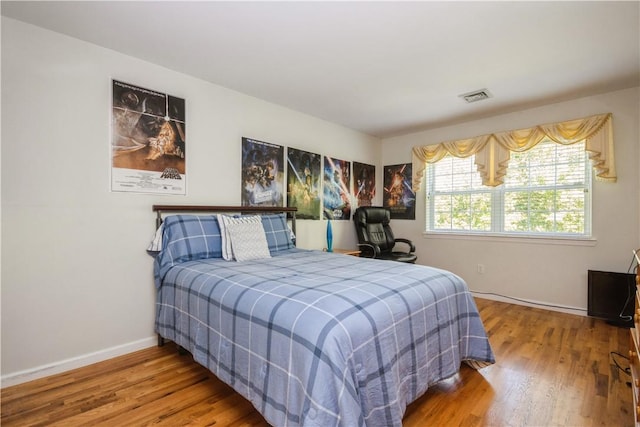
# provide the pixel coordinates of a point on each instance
(398, 195)
(303, 183)
(336, 197)
(148, 140)
(262, 173)
(364, 183)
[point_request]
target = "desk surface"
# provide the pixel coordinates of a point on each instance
(353, 252)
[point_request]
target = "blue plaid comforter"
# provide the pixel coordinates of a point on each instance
(321, 339)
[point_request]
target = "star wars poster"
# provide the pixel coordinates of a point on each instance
(336, 196)
(303, 183)
(262, 173)
(398, 195)
(147, 141)
(364, 183)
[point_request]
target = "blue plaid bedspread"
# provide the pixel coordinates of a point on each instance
(321, 339)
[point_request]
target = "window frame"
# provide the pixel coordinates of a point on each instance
(498, 219)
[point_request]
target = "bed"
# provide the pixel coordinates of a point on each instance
(309, 337)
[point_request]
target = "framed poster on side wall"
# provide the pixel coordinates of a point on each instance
(148, 139)
(398, 195)
(262, 173)
(303, 182)
(364, 183)
(336, 202)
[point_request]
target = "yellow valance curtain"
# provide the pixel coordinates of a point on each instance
(493, 151)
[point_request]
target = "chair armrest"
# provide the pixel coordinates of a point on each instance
(412, 247)
(368, 248)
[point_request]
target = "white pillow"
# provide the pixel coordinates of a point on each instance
(223, 221)
(156, 244)
(243, 238)
(248, 241)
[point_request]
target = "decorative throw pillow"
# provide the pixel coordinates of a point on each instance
(187, 238)
(279, 235)
(191, 237)
(223, 221)
(248, 241)
(234, 237)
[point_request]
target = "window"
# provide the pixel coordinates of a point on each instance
(546, 192)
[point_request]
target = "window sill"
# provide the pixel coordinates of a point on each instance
(513, 238)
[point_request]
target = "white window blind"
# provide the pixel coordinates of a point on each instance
(547, 191)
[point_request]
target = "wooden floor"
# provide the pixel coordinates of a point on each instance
(552, 369)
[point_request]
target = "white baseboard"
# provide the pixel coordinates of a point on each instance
(75, 362)
(529, 303)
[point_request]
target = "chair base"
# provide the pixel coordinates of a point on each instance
(400, 257)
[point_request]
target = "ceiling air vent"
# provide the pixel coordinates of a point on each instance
(475, 96)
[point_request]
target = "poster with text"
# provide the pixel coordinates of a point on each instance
(336, 197)
(262, 173)
(398, 195)
(364, 183)
(148, 139)
(303, 183)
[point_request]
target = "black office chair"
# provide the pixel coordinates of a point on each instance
(375, 238)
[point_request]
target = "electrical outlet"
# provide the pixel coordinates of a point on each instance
(481, 268)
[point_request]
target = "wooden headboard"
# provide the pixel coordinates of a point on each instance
(257, 210)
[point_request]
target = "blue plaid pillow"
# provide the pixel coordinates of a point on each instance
(279, 237)
(187, 238)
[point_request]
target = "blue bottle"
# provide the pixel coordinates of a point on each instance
(329, 237)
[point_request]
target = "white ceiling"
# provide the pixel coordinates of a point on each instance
(383, 68)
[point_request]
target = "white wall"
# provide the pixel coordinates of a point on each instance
(76, 282)
(536, 271)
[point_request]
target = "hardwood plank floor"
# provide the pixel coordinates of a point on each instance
(552, 369)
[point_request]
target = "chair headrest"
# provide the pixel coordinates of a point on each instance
(373, 214)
